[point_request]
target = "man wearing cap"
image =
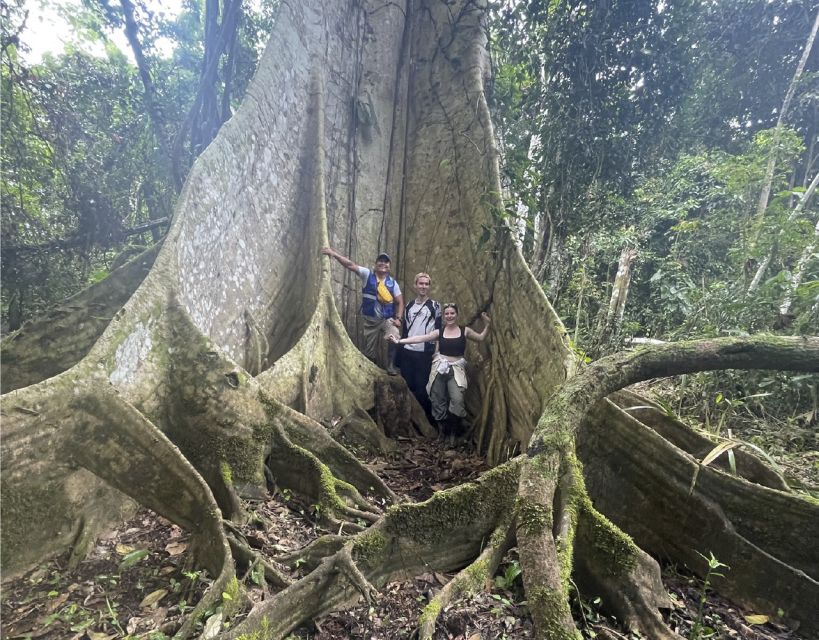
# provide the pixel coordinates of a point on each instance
(381, 307)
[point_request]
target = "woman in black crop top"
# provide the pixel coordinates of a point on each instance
(447, 380)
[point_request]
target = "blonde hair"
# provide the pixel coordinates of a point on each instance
(423, 274)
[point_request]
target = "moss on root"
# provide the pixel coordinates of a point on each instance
(552, 611)
(615, 548)
(457, 506)
(571, 511)
(476, 575)
(262, 632)
(368, 546)
(532, 517)
(430, 613)
(227, 474)
(231, 599)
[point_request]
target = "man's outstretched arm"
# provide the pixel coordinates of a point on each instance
(344, 261)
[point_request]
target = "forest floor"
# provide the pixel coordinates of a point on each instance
(136, 581)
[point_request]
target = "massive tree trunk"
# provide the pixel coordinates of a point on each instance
(367, 127)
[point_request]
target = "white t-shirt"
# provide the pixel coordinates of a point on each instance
(364, 274)
(420, 321)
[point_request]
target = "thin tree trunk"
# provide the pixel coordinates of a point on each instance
(154, 112)
(197, 121)
(798, 273)
(762, 204)
(619, 294)
(766, 262)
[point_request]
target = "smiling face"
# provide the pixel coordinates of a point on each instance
(422, 285)
(382, 268)
(450, 315)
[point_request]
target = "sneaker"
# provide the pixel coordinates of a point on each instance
(392, 370)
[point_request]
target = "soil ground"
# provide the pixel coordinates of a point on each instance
(136, 581)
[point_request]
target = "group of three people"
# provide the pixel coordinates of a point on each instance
(432, 344)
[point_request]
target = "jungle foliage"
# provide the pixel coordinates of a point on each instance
(646, 128)
(95, 147)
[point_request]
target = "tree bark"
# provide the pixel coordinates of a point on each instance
(163, 409)
(617, 303)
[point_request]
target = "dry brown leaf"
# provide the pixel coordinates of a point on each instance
(133, 625)
(56, 602)
(152, 598)
(98, 635)
(159, 616)
(175, 548)
(476, 636)
(124, 549)
(756, 619)
(441, 578)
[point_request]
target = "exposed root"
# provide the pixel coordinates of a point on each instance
(358, 429)
(643, 484)
(313, 437)
(247, 558)
(610, 565)
(344, 562)
(303, 472)
(469, 580)
(362, 508)
(211, 597)
(544, 577)
(441, 534)
(312, 555)
(688, 516)
(652, 415)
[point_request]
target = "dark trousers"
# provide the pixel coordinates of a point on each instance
(415, 366)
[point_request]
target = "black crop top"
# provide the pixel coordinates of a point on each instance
(452, 346)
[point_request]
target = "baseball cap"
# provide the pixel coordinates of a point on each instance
(383, 257)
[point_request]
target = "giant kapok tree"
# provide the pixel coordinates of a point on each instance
(223, 359)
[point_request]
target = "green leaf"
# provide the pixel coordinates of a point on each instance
(132, 558)
(152, 598)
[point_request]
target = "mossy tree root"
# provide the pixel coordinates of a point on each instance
(675, 508)
(337, 503)
(541, 505)
(229, 428)
(444, 533)
(680, 435)
(545, 555)
(314, 437)
(609, 564)
(98, 449)
(472, 579)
